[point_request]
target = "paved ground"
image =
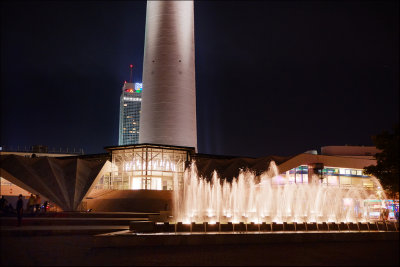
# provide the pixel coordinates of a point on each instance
(65, 245)
(79, 250)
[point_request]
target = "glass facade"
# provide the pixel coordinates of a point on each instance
(150, 167)
(332, 176)
(129, 118)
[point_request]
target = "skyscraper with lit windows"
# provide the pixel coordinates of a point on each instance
(129, 118)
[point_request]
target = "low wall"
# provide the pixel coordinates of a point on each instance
(131, 201)
(128, 239)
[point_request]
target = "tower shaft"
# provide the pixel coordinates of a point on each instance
(168, 113)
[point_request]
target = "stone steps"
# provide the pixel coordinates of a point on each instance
(10, 221)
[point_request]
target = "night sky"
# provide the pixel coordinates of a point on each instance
(272, 78)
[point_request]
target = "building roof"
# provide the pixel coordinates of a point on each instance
(110, 148)
(331, 161)
(228, 167)
(348, 150)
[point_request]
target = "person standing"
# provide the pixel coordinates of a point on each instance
(37, 203)
(31, 203)
(3, 203)
(45, 206)
(20, 209)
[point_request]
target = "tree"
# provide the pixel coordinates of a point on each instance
(387, 161)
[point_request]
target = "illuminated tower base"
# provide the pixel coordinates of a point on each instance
(150, 167)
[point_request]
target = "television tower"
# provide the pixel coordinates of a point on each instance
(168, 114)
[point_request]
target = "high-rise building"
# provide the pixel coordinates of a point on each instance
(129, 117)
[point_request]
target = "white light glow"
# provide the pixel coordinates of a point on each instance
(265, 199)
(137, 99)
(136, 183)
(156, 184)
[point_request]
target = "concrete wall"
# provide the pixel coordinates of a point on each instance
(168, 114)
(131, 201)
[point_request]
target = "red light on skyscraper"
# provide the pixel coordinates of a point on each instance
(131, 66)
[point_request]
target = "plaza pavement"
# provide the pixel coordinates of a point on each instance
(73, 245)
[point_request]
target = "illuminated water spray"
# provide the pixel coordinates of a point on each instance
(249, 198)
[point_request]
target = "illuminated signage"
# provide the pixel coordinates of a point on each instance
(132, 98)
(138, 87)
(154, 165)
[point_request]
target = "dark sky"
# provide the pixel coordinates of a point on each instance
(272, 78)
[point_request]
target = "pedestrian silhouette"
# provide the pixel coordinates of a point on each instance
(31, 203)
(20, 209)
(3, 203)
(37, 203)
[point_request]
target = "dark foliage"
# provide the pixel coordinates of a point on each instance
(387, 168)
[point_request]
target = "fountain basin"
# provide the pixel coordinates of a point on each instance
(205, 227)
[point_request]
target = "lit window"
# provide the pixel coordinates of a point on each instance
(359, 172)
(125, 105)
(156, 184)
(345, 180)
(347, 171)
(136, 183)
(353, 172)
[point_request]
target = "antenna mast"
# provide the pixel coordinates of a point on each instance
(131, 69)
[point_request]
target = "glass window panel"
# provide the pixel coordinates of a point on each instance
(332, 180)
(356, 181)
(345, 180)
(290, 178)
(305, 178)
(156, 184)
(136, 183)
(368, 183)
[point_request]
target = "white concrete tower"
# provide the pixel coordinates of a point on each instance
(168, 113)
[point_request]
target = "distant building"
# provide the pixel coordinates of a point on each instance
(129, 118)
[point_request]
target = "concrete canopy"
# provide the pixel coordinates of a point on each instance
(65, 181)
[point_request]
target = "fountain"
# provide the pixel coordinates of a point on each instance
(267, 198)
